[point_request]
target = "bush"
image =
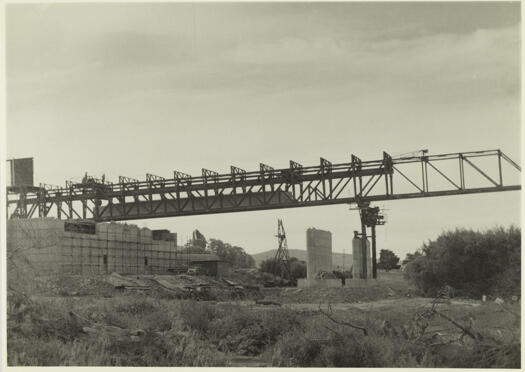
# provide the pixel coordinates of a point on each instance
(474, 263)
(249, 332)
(42, 333)
(297, 268)
(197, 315)
(295, 350)
(347, 350)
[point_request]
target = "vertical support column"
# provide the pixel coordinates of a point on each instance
(499, 168)
(84, 204)
(356, 166)
(177, 193)
(150, 195)
(363, 248)
(22, 204)
(461, 172)
(387, 165)
(424, 168)
(374, 263)
(59, 205)
(98, 203)
(70, 201)
(424, 175)
(40, 204)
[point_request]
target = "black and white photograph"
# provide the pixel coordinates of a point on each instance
(261, 184)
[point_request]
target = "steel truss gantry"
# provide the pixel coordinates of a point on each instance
(296, 186)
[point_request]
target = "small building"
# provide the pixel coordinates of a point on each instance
(208, 264)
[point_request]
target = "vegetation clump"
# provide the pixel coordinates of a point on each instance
(472, 262)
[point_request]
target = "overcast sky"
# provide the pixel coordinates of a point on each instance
(130, 89)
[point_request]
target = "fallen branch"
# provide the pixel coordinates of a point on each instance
(334, 331)
(340, 322)
(475, 336)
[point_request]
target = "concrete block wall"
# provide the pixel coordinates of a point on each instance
(46, 247)
(145, 249)
(35, 245)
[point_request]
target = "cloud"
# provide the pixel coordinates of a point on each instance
(484, 61)
(340, 63)
(288, 50)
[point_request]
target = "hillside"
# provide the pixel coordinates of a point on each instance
(337, 258)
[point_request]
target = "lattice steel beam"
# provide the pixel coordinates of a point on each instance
(296, 186)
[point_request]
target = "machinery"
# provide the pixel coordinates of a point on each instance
(370, 217)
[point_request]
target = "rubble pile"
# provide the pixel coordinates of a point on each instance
(180, 286)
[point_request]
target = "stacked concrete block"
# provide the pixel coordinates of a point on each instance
(125, 253)
(163, 255)
(67, 254)
(145, 249)
(154, 259)
(161, 247)
(357, 254)
(102, 236)
(35, 242)
(319, 252)
(130, 249)
(114, 236)
(51, 246)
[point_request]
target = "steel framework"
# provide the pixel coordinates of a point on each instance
(282, 257)
(296, 186)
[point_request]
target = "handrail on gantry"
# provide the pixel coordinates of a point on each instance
(214, 177)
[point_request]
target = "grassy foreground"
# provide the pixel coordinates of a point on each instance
(134, 329)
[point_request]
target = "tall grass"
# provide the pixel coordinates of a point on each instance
(41, 331)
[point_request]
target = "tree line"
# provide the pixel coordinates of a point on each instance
(234, 255)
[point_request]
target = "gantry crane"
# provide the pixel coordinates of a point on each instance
(356, 182)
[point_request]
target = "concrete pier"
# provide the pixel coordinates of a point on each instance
(357, 254)
(319, 252)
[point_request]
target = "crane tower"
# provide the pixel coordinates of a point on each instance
(282, 258)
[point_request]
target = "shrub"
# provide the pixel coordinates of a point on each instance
(474, 263)
(46, 335)
(197, 315)
(297, 268)
(296, 350)
(249, 332)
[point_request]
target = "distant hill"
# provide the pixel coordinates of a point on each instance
(337, 258)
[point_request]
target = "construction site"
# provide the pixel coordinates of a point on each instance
(262, 184)
(69, 223)
(81, 251)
